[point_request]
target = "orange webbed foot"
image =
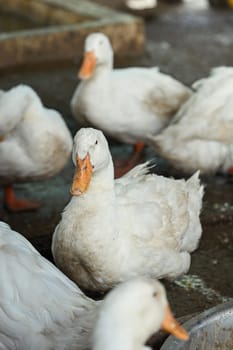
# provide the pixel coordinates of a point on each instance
(17, 205)
(122, 167)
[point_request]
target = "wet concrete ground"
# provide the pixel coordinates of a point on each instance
(186, 43)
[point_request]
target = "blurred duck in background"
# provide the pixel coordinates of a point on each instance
(127, 104)
(41, 309)
(35, 143)
(200, 137)
(144, 8)
(140, 224)
(140, 4)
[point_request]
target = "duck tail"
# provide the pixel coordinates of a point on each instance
(195, 183)
(194, 231)
(196, 192)
(4, 226)
(140, 170)
(217, 72)
(222, 70)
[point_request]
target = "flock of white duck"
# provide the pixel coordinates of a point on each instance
(129, 231)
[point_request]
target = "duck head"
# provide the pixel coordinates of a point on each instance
(13, 105)
(97, 52)
(133, 312)
(90, 155)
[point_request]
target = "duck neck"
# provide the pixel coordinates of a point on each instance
(103, 69)
(112, 338)
(102, 181)
(100, 191)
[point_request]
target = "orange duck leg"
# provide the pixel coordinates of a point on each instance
(121, 169)
(15, 205)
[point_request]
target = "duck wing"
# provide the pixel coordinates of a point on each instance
(158, 93)
(207, 115)
(34, 295)
(152, 207)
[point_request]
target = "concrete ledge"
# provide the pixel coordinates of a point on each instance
(68, 22)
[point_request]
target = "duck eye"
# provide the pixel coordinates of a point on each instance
(101, 42)
(96, 142)
(155, 294)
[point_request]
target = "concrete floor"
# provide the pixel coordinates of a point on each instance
(185, 42)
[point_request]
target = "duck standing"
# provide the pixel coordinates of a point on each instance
(200, 137)
(41, 309)
(127, 104)
(140, 224)
(35, 143)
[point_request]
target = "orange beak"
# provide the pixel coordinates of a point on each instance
(88, 66)
(171, 325)
(82, 176)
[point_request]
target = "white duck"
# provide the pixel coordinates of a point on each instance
(131, 313)
(35, 142)
(127, 104)
(112, 230)
(201, 134)
(41, 309)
